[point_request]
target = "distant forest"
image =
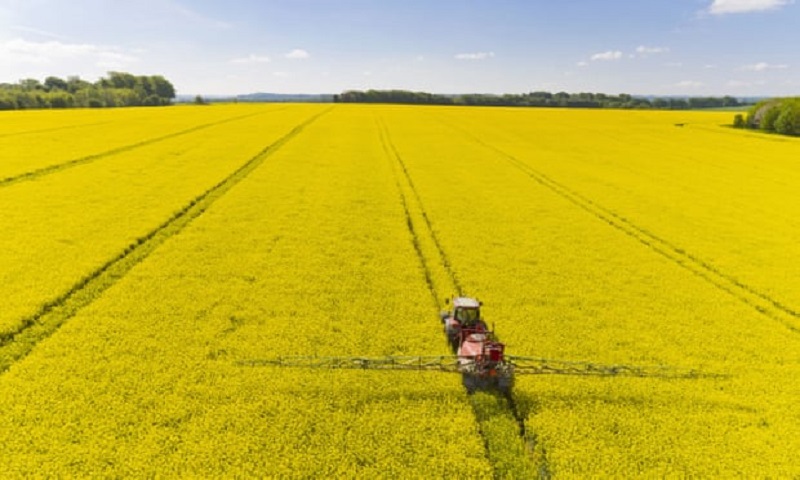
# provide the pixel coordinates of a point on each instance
(537, 99)
(778, 115)
(118, 89)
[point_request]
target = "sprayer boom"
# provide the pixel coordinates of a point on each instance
(453, 363)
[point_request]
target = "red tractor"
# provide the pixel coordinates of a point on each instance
(481, 358)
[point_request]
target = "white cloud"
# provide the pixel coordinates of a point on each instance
(252, 58)
(297, 54)
(688, 84)
(19, 51)
(721, 7)
(582, 64)
(606, 56)
(763, 66)
(474, 56)
(645, 51)
(280, 74)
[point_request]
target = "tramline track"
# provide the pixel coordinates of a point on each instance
(762, 302)
(18, 343)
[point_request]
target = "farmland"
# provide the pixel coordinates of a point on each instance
(147, 251)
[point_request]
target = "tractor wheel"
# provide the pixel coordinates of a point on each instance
(454, 343)
(505, 383)
(471, 383)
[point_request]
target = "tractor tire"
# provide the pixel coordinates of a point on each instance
(471, 383)
(453, 343)
(504, 384)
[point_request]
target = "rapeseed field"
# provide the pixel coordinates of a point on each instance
(149, 251)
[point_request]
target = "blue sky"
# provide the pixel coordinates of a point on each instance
(680, 47)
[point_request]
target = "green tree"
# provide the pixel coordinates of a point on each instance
(152, 101)
(118, 89)
(121, 80)
(61, 99)
(30, 84)
(728, 101)
(7, 101)
(74, 83)
(163, 88)
(54, 83)
(788, 119)
(769, 117)
(660, 103)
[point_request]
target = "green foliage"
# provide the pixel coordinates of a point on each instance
(768, 120)
(535, 99)
(54, 83)
(779, 115)
(738, 121)
(788, 120)
(118, 89)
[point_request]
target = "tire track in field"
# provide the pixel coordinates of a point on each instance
(424, 228)
(436, 265)
(40, 172)
(53, 129)
(760, 301)
(16, 345)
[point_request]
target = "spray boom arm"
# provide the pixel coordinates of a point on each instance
(453, 363)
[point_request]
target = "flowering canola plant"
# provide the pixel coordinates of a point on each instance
(583, 244)
(306, 255)
(606, 236)
(67, 224)
(34, 140)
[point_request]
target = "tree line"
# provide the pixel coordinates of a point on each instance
(537, 99)
(778, 115)
(118, 89)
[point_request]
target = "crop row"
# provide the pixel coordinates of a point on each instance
(41, 151)
(726, 200)
(562, 283)
(306, 255)
(501, 426)
(338, 245)
(32, 330)
(761, 302)
(67, 226)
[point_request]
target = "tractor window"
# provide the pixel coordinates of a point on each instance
(468, 316)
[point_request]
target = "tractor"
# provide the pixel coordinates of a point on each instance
(481, 358)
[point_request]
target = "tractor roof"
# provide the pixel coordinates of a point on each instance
(465, 302)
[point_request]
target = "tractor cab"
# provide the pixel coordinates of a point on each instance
(467, 311)
(466, 315)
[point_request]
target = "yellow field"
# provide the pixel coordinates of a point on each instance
(149, 250)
